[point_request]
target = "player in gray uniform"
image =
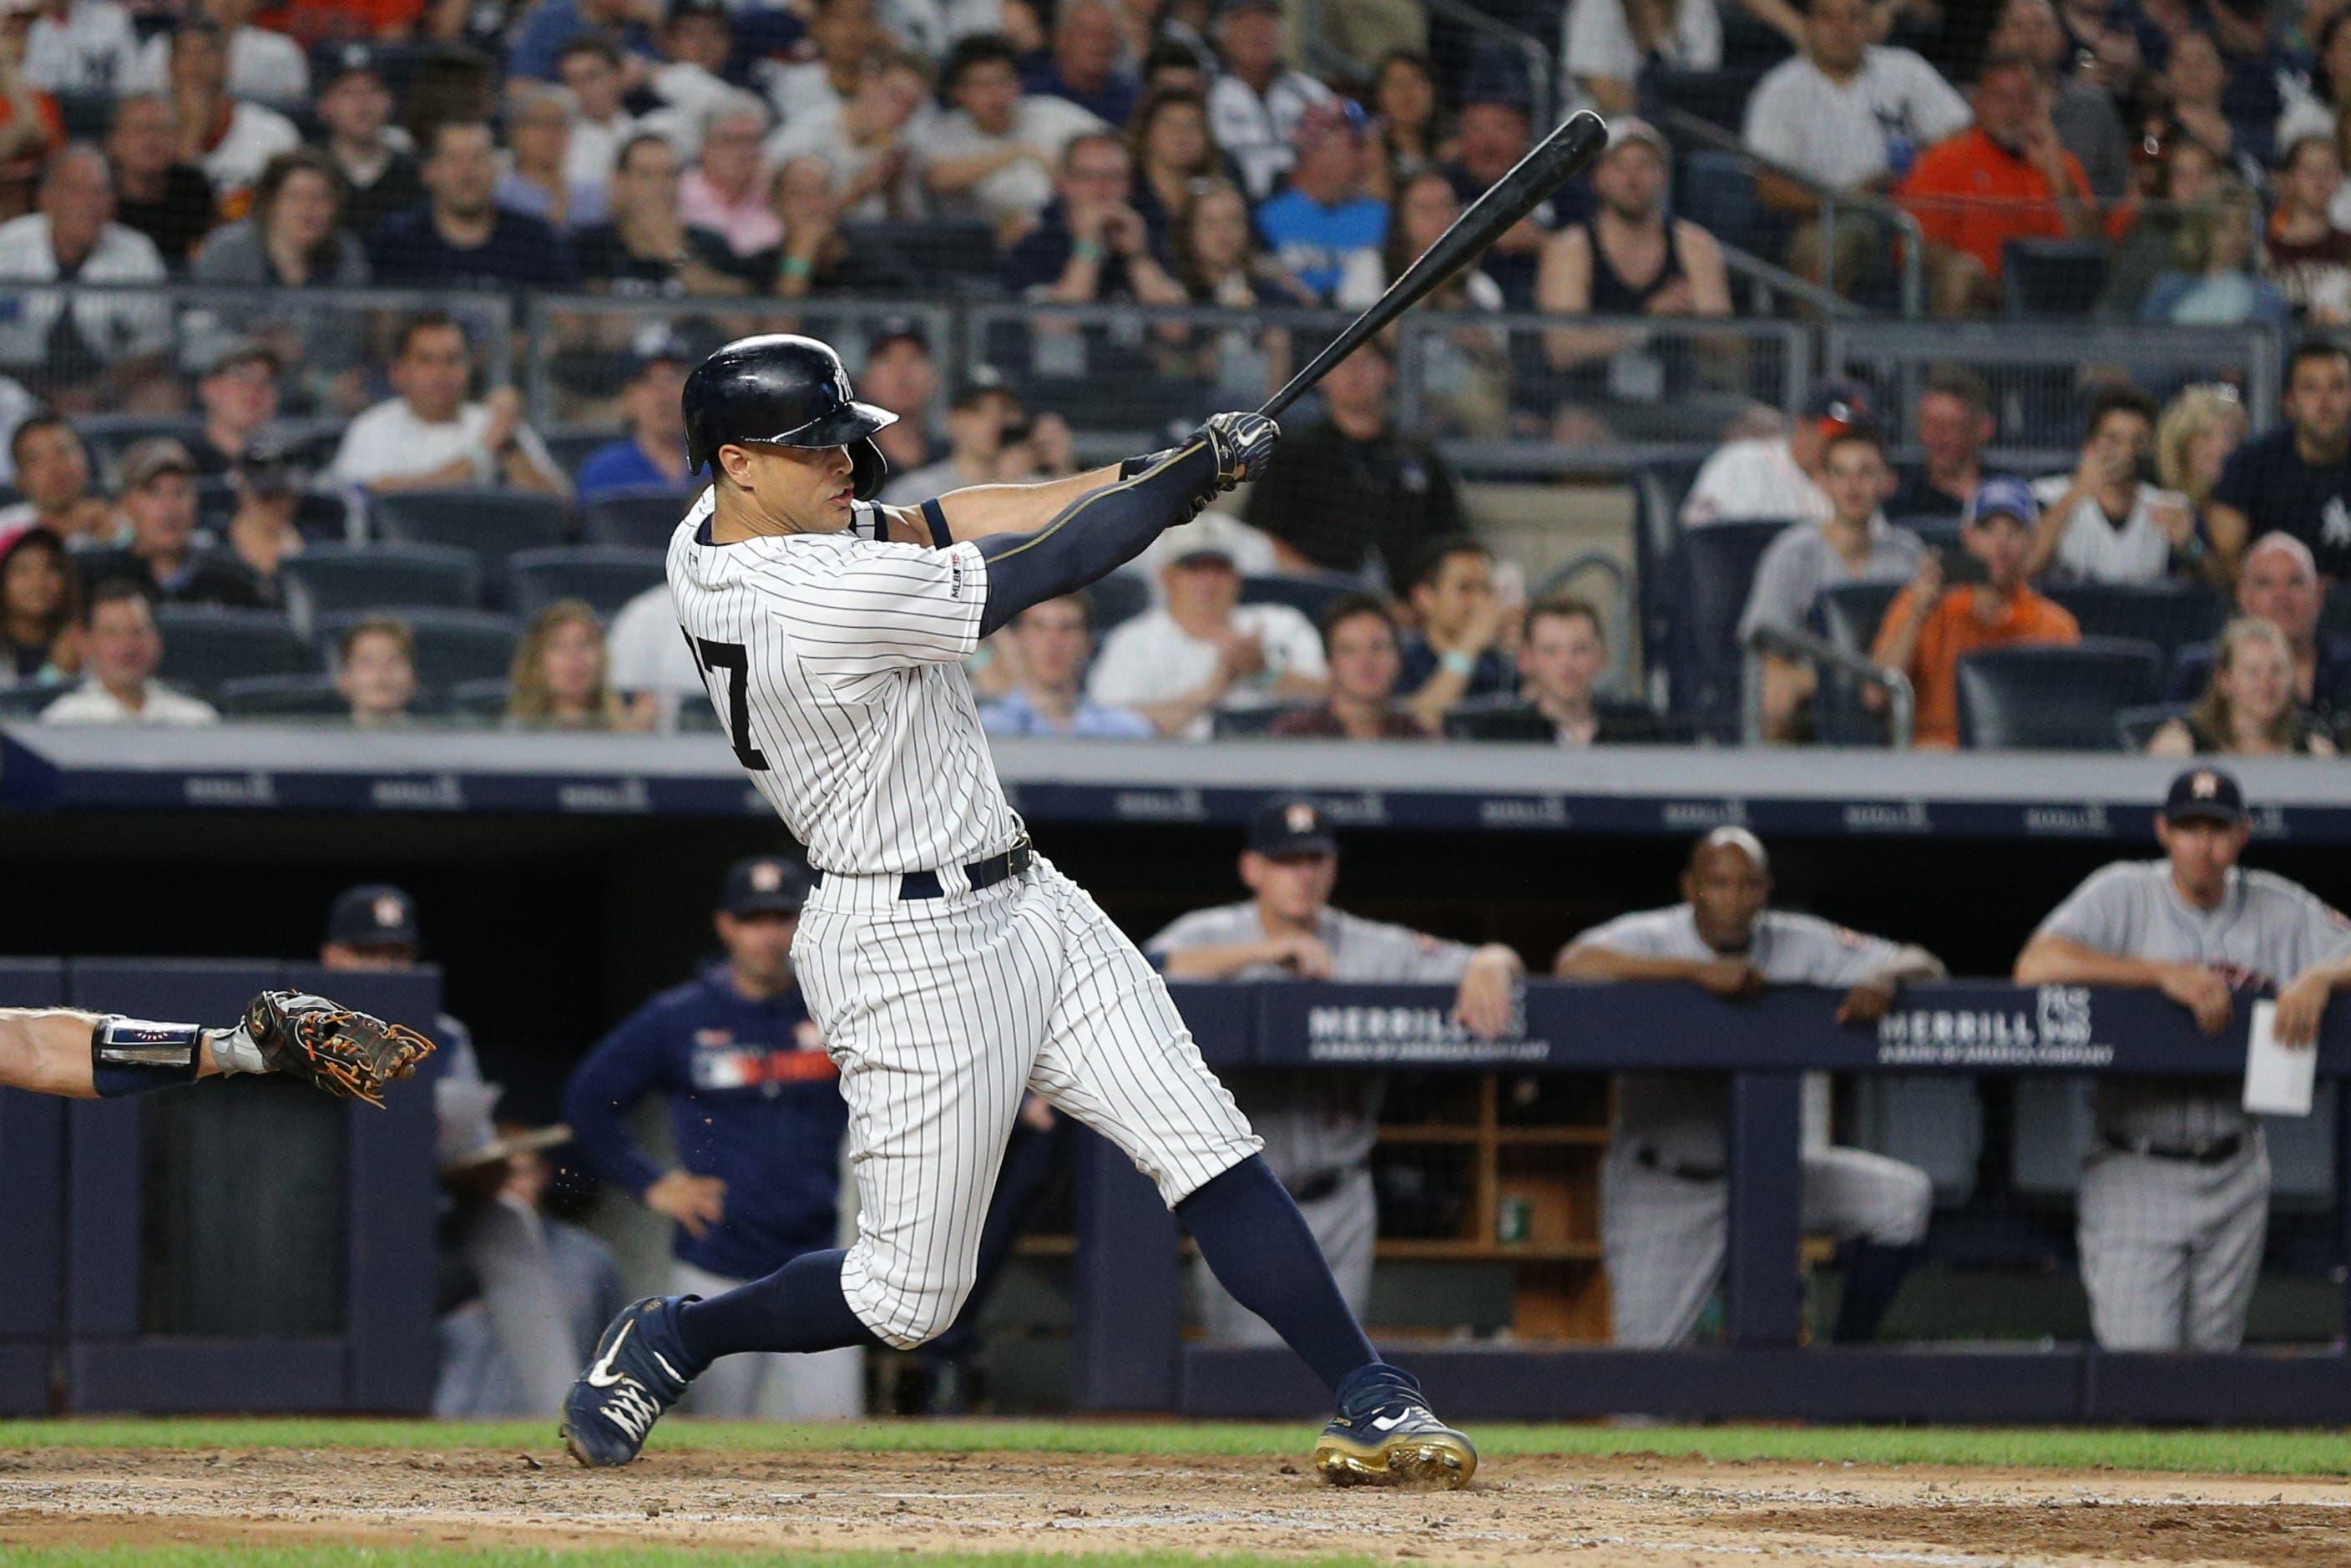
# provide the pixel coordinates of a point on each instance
(1318, 1127)
(2175, 1191)
(1663, 1197)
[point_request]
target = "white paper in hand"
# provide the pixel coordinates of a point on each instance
(2277, 1081)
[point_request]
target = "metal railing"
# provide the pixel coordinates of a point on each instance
(1802, 648)
(1910, 261)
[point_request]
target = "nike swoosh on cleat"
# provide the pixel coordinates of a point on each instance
(601, 1375)
(1386, 1423)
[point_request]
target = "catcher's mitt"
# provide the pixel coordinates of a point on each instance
(350, 1055)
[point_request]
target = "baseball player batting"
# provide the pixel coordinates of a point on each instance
(86, 1056)
(950, 967)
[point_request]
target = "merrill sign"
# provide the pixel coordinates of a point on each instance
(2055, 1032)
(1411, 1035)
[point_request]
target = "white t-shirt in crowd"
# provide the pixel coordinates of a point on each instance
(1596, 42)
(645, 652)
(265, 67)
(1150, 659)
(1754, 479)
(819, 136)
(255, 135)
(389, 441)
(1841, 134)
(90, 703)
(93, 48)
(594, 148)
(1255, 131)
(1017, 190)
(2092, 550)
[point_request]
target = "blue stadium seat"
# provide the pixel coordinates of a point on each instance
(1119, 598)
(452, 645)
(493, 524)
(327, 579)
(1717, 195)
(916, 257)
(1240, 724)
(1851, 613)
(1716, 566)
(2169, 615)
(279, 696)
(1937, 532)
(1309, 595)
(484, 701)
(109, 435)
(205, 645)
(569, 448)
(2052, 279)
(639, 519)
(606, 576)
(26, 702)
(2054, 698)
(2134, 726)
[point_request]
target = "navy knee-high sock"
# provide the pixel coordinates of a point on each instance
(1257, 1244)
(799, 1307)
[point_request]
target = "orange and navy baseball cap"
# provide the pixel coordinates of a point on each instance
(1291, 825)
(2205, 795)
(764, 884)
(374, 915)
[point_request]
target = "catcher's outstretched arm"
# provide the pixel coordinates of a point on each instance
(56, 1051)
(82, 1056)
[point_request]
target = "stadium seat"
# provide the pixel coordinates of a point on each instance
(1716, 568)
(916, 257)
(1937, 532)
(1310, 596)
(1241, 724)
(279, 696)
(2044, 279)
(2054, 698)
(493, 524)
(484, 701)
(205, 645)
(452, 645)
(2169, 615)
(569, 448)
(109, 435)
(1718, 194)
(2335, 614)
(26, 702)
(1119, 598)
(606, 576)
(636, 519)
(2134, 726)
(327, 579)
(1851, 613)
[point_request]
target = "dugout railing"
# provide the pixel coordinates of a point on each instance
(1129, 1352)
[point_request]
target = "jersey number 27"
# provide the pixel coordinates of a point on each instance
(735, 660)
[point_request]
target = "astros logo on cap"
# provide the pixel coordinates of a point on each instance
(390, 911)
(2205, 785)
(767, 877)
(1299, 818)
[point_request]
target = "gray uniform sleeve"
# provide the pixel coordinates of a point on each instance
(2108, 911)
(1375, 951)
(1782, 596)
(1642, 934)
(1201, 928)
(2308, 931)
(1809, 951)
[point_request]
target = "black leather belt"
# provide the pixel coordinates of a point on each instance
(978, 873)
(2220, 1151)
(1649, 1159)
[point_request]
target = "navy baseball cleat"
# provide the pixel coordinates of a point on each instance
(638, 1372)
(1385, 1434)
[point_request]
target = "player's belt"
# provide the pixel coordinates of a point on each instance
(2213, 1151)
(978, 873)
(1680, 1170)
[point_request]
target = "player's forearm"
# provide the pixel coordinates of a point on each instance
(2055, 961)
(1219, 963)
(977, 511)
(53, 1051)
(1094, 535)
(1580, 962)
(1910, 964)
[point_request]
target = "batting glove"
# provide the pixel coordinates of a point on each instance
(1243, 443)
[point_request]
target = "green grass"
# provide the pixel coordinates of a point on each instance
(328, 1556)
(2281, 1453)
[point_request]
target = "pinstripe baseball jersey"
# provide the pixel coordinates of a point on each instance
(2265, 932)
(1316, 1124)
(835, 664)
(1680, 1115)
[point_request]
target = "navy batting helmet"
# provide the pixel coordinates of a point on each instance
(781, 389)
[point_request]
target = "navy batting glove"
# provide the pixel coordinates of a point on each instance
(1244, 445)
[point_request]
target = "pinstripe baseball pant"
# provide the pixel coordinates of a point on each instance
(2170, 1248)
(940, 1012)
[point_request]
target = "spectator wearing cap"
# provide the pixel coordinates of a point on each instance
(355, 107)
(1454, 653)
(265, 67)
(1359, 645)
(1928, 628)
(165, 555)
(2103, 522)
(2248, 707)
(94, 347)
(1563, 658)
(1255, 103)
(431, 435)
(652, 456)
(590, 69)
(2280, 583)
(555, 23)
(122, 650)
(991, 156)
(1952, 423)
(1201, 650)
(1356, 485)
(646, 249)
(2295, 479)
(1606, 44)
(756, 1110)
(538, 178)
(81, 45)
(1090, 245)
(2006, 177)
(976, 423)
(1492, 132)
(460, 237)
(31, 127)
(157, 191)
(1853, 544)
(263, 533)
(40, 608)
(866, 145)
(53, 471)
(230, 140)
(900, 374)
(1085, 66)
(375, 673)
(1047, 646)
(1768, 476)
(1851, 115)
(236, 389)
(1325, 220)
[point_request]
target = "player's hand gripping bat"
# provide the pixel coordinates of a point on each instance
(1562, 155)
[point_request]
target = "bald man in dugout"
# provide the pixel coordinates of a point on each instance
(1665, 1193)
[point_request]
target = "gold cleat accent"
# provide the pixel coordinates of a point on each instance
(1442, 1460)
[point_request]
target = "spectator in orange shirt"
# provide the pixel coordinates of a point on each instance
(1928, 628)
(2005, 177)
(30, 126)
